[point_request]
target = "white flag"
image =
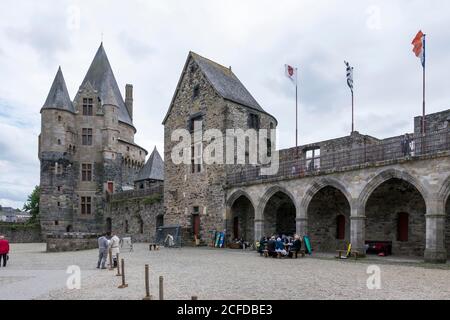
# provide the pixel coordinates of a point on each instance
(291, 73)
(349, 75)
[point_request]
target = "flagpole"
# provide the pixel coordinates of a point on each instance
(296, 107)
(424, 81)
(353, 113)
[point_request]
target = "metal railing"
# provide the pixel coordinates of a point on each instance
(391, 149)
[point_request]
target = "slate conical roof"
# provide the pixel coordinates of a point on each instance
(58, 97)
(101, 77)
(153, 168)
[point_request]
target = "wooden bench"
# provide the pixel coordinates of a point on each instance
(353, 253)
(154, 246)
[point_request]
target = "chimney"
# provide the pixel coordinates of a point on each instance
(129, 99)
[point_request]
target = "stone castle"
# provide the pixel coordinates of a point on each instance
(352, 189)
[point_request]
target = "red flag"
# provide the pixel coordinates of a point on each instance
(418, 44)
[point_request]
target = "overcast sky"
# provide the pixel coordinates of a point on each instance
(147, 43)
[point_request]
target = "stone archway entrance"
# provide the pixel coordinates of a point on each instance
(329, 220)
(279, 215)
(395, 212)
(241, 220)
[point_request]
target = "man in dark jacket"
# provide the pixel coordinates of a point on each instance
(4, 250)
(271, 246)
(296, 246)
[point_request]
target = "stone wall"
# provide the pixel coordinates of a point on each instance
(21, 233)
(136, 213)
(71, 242)
(433, 122)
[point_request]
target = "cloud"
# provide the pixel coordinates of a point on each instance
(147, 43)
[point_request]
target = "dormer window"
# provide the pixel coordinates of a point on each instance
(313, 159)
(88, 106)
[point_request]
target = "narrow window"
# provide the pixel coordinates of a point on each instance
(141, 226)
(340, 224)
(87, 136)
(59, 141)
(87, 107)
(86, 172)
(402, 227)
(196, 92)
(56, 223)
(86, 205)
(59, 118)
(126, 226)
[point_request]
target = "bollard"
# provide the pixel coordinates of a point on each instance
(194, 298)
(147, 285)
(123, 285)
(118, 266)
(161, 288)
(111, 267)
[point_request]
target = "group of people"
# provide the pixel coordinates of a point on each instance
(108, 244)
(4, 251)
(280, 244)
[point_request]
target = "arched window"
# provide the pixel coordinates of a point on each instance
(340, 227)
(402, 226)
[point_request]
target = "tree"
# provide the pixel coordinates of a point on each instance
(32, 205)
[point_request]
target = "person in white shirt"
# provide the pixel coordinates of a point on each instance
(114, 245)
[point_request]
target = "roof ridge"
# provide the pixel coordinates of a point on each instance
(214, 62)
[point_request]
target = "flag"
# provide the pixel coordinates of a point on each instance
(349, 75)
(291, 73)
(419, 46)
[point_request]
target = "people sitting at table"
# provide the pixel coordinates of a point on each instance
(279, 247)
(271, 246)
(296, 246)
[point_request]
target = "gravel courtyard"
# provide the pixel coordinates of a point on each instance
(216, 274)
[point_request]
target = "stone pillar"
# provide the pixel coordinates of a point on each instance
(301, 226)
(259, 229)
(358, 233)
(435, 232)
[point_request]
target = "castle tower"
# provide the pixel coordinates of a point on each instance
(94, 138)
(210, 95)
(56, 146)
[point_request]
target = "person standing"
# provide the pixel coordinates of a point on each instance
(115, 242)
(4, 250)
(103, 246)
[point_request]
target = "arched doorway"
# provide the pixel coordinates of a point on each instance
(241, 222)
(108, 225)
(279, 215)
(395, 212)
(69, 228)
(329, 220)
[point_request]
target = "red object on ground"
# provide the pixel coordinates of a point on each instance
(4, 246)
